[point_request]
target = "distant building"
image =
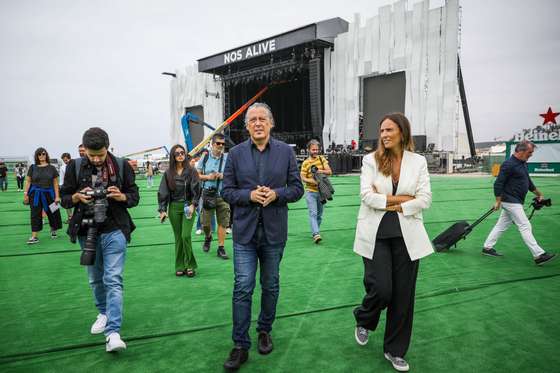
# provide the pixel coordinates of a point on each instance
(12, 161)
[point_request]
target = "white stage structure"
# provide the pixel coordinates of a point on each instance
(420, 42)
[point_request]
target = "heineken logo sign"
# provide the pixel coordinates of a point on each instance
(538, 136)
(548, 132)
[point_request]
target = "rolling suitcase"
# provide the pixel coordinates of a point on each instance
(456, 232)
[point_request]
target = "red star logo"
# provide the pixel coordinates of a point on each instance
(549, 116)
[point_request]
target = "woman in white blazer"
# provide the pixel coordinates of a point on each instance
(390, 235)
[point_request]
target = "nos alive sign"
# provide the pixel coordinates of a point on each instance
(288, 40)
(250, 51)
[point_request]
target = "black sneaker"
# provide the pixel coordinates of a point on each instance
(236, 358)
(544, 258)
(222, 252)
(32, 240)
(53, 235)
(206, 246)
(491, 252)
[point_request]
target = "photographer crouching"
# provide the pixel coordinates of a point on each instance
(101, 188)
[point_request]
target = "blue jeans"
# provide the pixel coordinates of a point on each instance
(315, 208)
(105, 277)
(245, 259)
(4, 183)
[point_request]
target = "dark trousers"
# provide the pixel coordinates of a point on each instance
(390, 282)
(55, 220)
(245, 260)
(19, 182)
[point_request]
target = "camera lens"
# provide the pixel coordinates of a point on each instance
(88, 251)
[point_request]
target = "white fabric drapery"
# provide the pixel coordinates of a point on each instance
(422, 42)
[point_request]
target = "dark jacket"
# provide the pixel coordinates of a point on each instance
(190, 193)
(119, 210)
(324, 187)
(513, 181)
(240, 178)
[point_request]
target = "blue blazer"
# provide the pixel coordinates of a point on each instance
(240, 178)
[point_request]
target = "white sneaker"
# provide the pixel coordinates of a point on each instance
(199, 231)
(98, 326)
(399, 363)
(114, 343)
(228, 230)
(362, 335)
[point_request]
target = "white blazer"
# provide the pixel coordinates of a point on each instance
(415, 181)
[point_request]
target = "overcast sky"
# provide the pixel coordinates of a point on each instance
(70, 64)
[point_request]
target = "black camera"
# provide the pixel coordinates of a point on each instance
(537, 205)
(209, 198)
(314, 169)
(94, 214)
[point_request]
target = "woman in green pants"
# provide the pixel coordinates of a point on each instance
(178, 195)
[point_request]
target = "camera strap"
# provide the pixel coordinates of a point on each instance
(219, 170)
(204, 160)
(78, 168)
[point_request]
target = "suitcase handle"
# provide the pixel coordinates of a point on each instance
(479, 220)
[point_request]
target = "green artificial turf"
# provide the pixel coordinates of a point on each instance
(473, 313)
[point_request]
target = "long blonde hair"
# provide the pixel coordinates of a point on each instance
(382, 155)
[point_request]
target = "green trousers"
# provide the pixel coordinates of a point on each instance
(182, 229)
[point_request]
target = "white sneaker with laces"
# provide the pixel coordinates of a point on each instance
(362, 335)
(399, 363)
(198, 232)
(98, 326)
(114, 343)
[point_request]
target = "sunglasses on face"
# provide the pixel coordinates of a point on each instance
(43, 153)
(179, 153)
(220, 143)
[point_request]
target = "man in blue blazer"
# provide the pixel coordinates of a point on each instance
(260, 179)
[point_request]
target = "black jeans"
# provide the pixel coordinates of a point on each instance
(20, 182)
(390, 282)
(55, 220)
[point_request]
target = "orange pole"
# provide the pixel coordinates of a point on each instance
(231, 118)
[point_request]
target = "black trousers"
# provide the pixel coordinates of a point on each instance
(55, 220)
(390, 282)
(19, 182)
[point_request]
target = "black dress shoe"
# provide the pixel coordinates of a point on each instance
(265, 343)
(236, 358)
